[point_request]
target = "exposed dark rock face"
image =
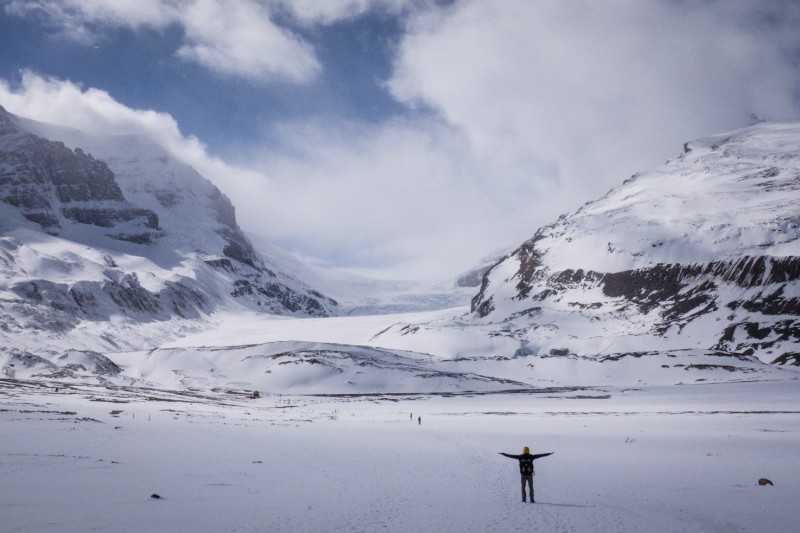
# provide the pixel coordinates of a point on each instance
(110, 217)
(238, 247)
(101, 300)
(789, 358)
(269, 293)
(749, 337)
(529, 271)
(529, 266)
(677, 294)
(48, 182)
(78, 177)
(682, 293)
(71, 364)
(223, 209)
(258, 283)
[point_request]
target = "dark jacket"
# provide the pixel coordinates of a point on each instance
(526, 461)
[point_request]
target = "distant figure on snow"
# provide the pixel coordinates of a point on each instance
(419, 420)
(526, 468)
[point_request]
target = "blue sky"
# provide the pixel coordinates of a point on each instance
(139, 68)
(404, 138)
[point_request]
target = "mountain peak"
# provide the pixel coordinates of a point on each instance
(53, 185)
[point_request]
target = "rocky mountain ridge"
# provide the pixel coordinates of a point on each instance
(49, 183)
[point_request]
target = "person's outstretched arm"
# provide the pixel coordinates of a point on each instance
(542, 455)
(509, 455)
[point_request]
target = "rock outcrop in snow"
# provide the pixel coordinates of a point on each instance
(51, 185)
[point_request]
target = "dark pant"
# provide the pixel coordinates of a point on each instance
(529, 481)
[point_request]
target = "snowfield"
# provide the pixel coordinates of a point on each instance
(654, 459)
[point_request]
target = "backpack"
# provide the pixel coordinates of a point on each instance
(526, 467)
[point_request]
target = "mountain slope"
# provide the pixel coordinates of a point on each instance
(140, 236)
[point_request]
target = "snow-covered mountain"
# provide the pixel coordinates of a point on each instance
(697, 259)
(687, 273)
(112, 229)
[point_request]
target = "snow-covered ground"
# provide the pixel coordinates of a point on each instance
(404, 353)
(656, 459)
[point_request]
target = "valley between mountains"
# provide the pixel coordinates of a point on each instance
(121, 264)
(158, 371)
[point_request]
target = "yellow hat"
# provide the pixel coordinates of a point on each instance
(526, 450)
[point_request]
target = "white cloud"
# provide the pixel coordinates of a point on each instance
(585, 92)
(229, 38)
(65, 103)
(330, 11)
(78, 19)
(130, 13)
(404, 197)
(238, 38)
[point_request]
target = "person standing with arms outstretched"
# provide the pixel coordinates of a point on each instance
(526, 468)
